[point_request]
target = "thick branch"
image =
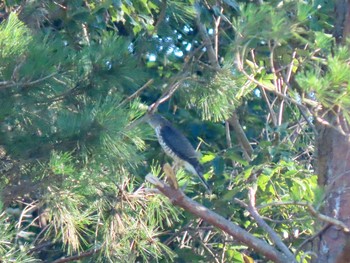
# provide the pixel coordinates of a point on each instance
(180, 199)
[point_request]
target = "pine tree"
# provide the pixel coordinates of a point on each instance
(259, 87)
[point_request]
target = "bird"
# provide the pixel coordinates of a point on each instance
(177, 146)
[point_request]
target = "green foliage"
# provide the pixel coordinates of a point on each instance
(14, 39)
(330, 86)
(9, 251)
(70, 79)
(219, 97)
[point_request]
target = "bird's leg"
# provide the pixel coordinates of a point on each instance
(176, 165)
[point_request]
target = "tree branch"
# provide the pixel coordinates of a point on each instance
(212, 55)
(10, 84)
(242, 138)
(178, 198)
(78, 256)
(136, 93)
(313, 212)
(273, 235)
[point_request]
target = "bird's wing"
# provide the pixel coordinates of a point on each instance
(178, 143)
(181, 146)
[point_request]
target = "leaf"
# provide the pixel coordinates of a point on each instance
(248, 172)
(229, 195)
(233, 156)
(263, 181)
(219, 165)
(208, 157)
(247, 259)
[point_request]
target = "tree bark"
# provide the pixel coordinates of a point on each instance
(334, 176)
(333, 164)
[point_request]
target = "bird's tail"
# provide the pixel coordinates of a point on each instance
(199, 172)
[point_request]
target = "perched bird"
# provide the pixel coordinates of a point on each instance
(177, 146)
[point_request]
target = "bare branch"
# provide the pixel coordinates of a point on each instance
(175, 84)
(312, 238)
(208, 43)
(313, 212)
(10, 84)
(273, 235)
(78, 256)
(212, 53)
(180, 199)
(136, 93)
(242, 138)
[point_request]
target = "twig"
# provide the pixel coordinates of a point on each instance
(277, 93)
(175, 84)
(210, 252)
(328, 124)
(30, 207)
(269, 106)
(217, 22)
(302, 108)
(77, 257)
(180, 199)
(10, 84)
(136, 93)
(312, 238)
(313, 212)
(186, 228)
(228, 135)
(223, 252)
(228, 138)
(40, 246)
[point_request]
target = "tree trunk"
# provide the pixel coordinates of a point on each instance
(334, 174)
(333, 166)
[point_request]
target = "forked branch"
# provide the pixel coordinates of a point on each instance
(178, 198)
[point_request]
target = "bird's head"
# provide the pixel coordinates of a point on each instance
(155, 120)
